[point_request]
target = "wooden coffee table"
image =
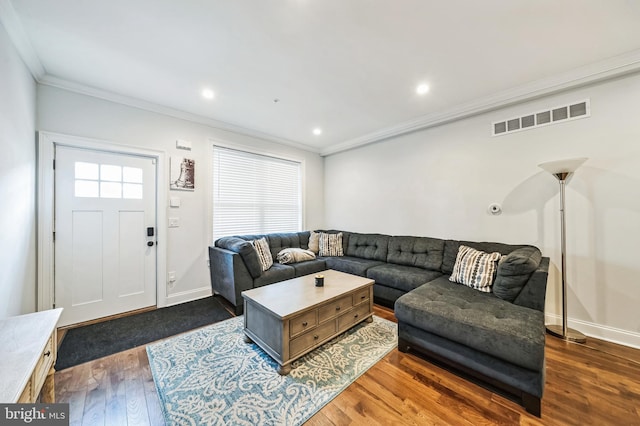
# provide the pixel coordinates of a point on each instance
(291, 318)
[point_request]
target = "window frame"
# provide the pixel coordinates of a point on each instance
(278, 155)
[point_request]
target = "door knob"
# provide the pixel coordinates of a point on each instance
(150, 243)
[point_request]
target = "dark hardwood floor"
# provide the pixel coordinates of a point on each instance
(593, 384)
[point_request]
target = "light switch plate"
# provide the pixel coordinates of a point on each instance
(174, 202)
(174, 222)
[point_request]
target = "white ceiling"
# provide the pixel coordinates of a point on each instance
(348, 66)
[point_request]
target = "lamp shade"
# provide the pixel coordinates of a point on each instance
(562, 166)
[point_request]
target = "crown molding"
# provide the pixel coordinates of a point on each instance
(49, 80)
(18, 36)
(610, 68)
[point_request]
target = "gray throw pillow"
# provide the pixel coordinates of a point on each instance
(246, 251)
(514, 271)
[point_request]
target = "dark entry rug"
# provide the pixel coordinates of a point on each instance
(94, 341)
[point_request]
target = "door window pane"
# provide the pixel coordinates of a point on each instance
(106, 181)
(86, 170)
(110, 173)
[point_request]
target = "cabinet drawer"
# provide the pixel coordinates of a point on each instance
(335, 308)
(361, 297)
(303, 322)
(44, 365)
(25, 397)
(347, 320)
(311, 338)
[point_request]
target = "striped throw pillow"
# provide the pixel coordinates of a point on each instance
(264, 254)
(475, 268)
(330, 244)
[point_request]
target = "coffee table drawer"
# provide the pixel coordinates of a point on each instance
(312, 338)
(335, 308)
(302, 323)
(347, 320)
(361, 297)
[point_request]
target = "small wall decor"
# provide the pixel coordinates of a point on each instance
(182, 174)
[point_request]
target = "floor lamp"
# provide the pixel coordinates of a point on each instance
(562, 170)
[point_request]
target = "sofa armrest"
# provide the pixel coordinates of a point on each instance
(246, 251)
(534, 292)
(229, 274)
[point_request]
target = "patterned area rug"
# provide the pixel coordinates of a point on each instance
(210, 376)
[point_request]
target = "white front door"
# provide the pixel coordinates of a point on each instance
(105, 233)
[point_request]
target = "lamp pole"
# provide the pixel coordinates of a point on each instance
(562, 170)
(565, 332)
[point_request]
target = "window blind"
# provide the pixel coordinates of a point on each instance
(254, 194)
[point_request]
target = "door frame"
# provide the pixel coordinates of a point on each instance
(47, 141)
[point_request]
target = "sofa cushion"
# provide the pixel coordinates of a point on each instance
(422, 252)
(351, 265)
(368, 246)
(246, 251)
(330, 245)
(475, 268)
(309, 267)
(478, 320)
(280, 241)
(514, 271)
(405, 278)
(451, 251)
(275, 274)
(264, 254)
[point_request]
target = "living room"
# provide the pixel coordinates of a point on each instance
(436, 179)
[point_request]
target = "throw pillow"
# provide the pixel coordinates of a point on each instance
(314, 242)
(330, 244)
(294, 255)
(264, 254)
(475, 268)
(514, 270)
(246, 250)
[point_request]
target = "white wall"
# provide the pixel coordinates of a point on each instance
(17, 183)
(71, 113)
(439, 182)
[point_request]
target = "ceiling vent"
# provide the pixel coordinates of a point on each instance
(542, 118)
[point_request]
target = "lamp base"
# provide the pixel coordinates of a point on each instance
(572, 335)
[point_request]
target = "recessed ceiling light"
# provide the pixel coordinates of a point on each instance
(317, 131)
(208, 94)
(422, 89)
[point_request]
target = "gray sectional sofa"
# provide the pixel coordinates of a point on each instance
(497, 338)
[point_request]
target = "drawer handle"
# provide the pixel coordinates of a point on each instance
(315, 337)
(355, 316)
(337, 308)
(363, 297)
(304, 324)
(47, 353)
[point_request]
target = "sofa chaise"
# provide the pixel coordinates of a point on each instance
(497, 338)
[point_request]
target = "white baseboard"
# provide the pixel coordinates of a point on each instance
(188, 296)
(610, 334)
